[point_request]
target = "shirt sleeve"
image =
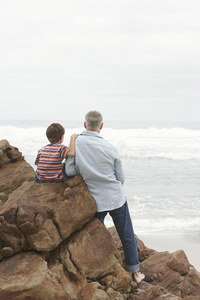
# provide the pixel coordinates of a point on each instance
(70, 166)
(118, 169)
(63, 151)
(119, 172)
(37, 158)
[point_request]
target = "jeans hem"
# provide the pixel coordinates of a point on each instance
(132, 269)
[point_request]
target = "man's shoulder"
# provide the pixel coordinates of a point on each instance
(94, 140)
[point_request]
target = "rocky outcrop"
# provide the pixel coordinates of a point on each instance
(68, 272)
(52, 247)
(167, 275)
(14, 170)
(40, 216)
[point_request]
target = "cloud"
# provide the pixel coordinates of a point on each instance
(104, 53)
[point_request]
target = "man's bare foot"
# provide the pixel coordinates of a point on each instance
(138, 277)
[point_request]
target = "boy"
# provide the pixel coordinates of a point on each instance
(49, 159)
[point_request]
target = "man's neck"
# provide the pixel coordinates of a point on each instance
(98, 131)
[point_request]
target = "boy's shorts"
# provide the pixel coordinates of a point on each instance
(37, 179)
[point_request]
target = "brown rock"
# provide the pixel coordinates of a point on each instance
(14, 170)
(14, 175)
(154, 293)
(114, 295)
(170, 271)
(39, 216)
(14, 154)
(93, 291)
(3, 197)
(83, 248)
(4, 145)
(157, 270)
(64, 273)
(8, 153)
(190, 286)
(94, 254)
(27, 276)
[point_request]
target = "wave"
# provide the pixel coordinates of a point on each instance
(161, 224)
(173, 143)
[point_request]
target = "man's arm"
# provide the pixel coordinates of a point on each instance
(118, 169)
(71, 151)
(70, 166)
(119, 172)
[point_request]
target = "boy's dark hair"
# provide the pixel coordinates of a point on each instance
(54, 132)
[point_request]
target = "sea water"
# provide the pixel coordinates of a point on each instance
(161, 165)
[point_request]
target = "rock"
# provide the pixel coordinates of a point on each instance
(4, 145)
(67, 272)
(169, 273)
(94, 253)
(27, 276)
(3, 158)
(93, 291)
(14, 170)
(8, 153)
(154, 293)
(3, 197)
(40, 216)
(52, 247)
(190, 286)
(167, 270)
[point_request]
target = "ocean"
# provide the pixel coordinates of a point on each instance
(161, 163)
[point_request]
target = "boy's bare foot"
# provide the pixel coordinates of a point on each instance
(138, 277)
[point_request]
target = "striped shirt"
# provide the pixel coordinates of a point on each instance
(49, 162)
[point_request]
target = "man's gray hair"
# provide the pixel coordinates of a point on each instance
(93, 120)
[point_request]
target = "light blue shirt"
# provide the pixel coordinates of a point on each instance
(99, 164)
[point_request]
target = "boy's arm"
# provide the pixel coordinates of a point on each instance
(71, 151)
(37, 159)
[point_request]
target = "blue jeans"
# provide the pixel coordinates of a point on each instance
(124, 227)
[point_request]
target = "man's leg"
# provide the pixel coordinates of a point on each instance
(101, 216)
(123, 224)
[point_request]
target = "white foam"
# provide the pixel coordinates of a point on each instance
(172, 143)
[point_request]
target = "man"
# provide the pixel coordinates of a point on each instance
(99, 164)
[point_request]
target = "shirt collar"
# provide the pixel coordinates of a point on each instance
(91, 133)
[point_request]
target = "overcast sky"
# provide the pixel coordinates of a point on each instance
(130, 59)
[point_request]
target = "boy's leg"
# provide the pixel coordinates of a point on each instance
(123, 224)
(37, 179)
(65, 175)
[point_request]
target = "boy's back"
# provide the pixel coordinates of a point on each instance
(49, 162)
(49, 159)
